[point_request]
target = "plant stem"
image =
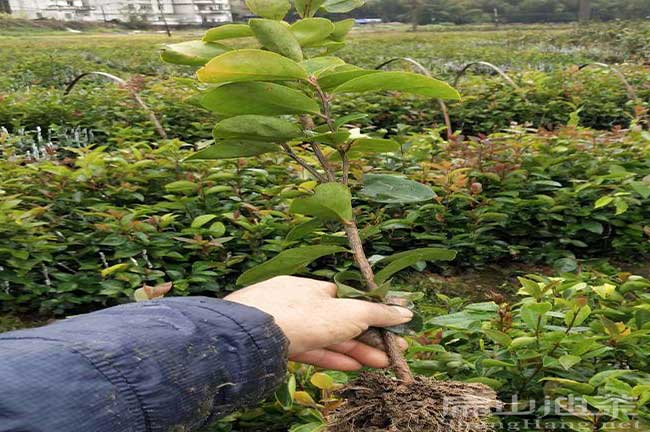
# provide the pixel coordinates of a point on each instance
(398, 362)
(303, 163)
(324, 162)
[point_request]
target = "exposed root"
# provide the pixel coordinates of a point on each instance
(376, 402)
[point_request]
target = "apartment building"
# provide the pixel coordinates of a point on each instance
(155, 12)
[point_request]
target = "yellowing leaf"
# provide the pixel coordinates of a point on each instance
(250, 65)
(322, 381)
(606, 291)
(304, 398)
(113, 269)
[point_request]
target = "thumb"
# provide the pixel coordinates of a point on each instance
(375, 314)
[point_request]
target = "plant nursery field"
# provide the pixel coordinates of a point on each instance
(538, 180)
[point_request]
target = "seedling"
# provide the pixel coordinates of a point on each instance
(278, 99)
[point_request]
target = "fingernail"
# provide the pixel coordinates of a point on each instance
(403, 311)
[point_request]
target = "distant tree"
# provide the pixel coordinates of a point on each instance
(584, 11)
(419, 12)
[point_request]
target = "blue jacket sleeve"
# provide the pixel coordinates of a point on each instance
(165, 365)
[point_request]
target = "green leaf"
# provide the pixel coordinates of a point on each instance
(399, 81)
(348, 118)
(499, 337)
(603, 201)
(255, 127)
(192, 53)
(228, 149)
(217, 229)
(287, 262)
(330, 202)
(317, 64)
(307, 8)
(199, 221)
(309, 31)
(565, 265)
(582, 388)
(471, 316)
(332, 139)
(227, 31)
(342, 6)
(308, 427)
(621, 206)
(403, 260)
(577, 318)
(329, 45)
(392, 189)
(534, 314)
(602, 377)
(284, 395)
(271, 9)
(416, 325)
(594, 227)
(302, 230)
(250, 65)
(182, 186)
(522, 341)
(641, 188)
(347, 291)
(276, 37)
(496, 363)
(490, 382)
(257, 98)
(337, 76)
(568, 361)
(373, 145)
(342, 28)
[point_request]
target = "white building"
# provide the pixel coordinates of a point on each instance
(175, 12)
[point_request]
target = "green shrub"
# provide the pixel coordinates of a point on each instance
(573, 350)
(80, 211)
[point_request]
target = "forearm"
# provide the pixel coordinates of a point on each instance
(172, 364)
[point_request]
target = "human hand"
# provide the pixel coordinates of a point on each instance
(320, 327)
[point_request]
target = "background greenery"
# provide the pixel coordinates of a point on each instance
(521, 11)
(93, 204)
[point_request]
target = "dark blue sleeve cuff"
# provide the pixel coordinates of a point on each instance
(170, 364)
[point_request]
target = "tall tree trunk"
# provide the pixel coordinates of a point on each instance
(584, 11)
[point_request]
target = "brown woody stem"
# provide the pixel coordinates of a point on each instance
(398, 362)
